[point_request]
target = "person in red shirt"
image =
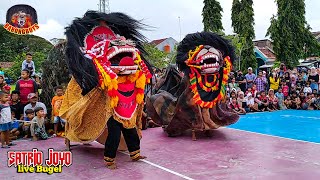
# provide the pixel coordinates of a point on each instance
(26, 86)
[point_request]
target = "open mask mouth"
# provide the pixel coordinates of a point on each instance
(122, 59)
(209, 59)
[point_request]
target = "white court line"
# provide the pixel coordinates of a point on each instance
(272, 135)
(161, 167)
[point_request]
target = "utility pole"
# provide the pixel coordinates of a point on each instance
(104, 6)
(180, 27)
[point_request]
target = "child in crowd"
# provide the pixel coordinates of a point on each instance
(295, 101)
(26, 86)
(273, 100)
(307, 104)
(280, 97)
(15, 103)
(263, 102)
(5, 120)
(288, 102)
(285, 89)
(56, 104)
(38, 130)
(29, 65)
(307, 89)
(235, 106)
(14, 127)
(242, 101)
(27, 124)
(251, 104)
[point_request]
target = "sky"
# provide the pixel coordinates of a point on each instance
(163, 16)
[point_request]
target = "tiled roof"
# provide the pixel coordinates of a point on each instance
(267, 52)
(157, 41)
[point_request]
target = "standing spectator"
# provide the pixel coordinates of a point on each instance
(266, 79)
(314, 79)
(56, 104)
(26, 86)
(241, 80)
(274, 81)
(286, 78)
(300, 83)
(33, 99)
(5, 119)
(16, 105)
(304, 76)
(250, 77)
(283, 69)
(281, 100)
(260, 82)
(29, 64)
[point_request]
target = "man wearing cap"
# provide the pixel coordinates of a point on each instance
(250, 77)
(33, 99)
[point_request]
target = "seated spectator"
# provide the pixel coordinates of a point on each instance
(251, 103)
(288, 102)
(307, 104)
(307, 89)
(273, 100)
(242, 102)
(295, 101)
(317, 102)
(263, 101)
(281, 99)
(14, 127)
(233, 94)
(33, 99)
(26, 125)
(38, 130)
(235, 106)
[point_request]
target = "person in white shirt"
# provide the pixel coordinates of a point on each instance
(307, 89)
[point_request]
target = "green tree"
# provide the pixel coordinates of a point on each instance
(156, 57)
(290, 32)
(14, 47)
(242, 17)
(212, 14)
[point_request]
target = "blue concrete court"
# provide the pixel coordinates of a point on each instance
(293, 124)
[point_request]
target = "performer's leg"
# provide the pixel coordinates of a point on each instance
(133, 143)
(112, 142)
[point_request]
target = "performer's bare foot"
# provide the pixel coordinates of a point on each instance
(111, 166)
(139, 157)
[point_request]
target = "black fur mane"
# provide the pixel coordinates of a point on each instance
(82, 68)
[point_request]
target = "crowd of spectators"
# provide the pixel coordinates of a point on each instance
(278, 89)
(22, 115)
